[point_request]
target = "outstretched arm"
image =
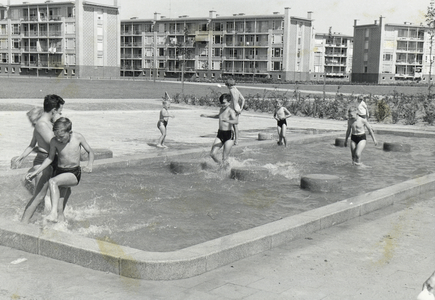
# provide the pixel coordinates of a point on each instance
(46, 161)
(26, 151)
(210, 116)
(371, 132)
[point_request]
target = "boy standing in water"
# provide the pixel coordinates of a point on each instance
(235, 105)
(42, 135)
(355, 125)
(163, 123)
(66, 144)
(281, 114)
(225, 137)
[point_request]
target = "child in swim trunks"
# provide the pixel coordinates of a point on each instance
(66, 144)
(356, 126)
(281, 114)
(235, 105)
(163, 123)
(225, 136)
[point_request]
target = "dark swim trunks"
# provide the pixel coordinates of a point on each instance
(225, 135)
(282, 122)
(165, 123)
(77, 171)
(358, 138)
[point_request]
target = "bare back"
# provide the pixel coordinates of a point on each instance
(43, 133)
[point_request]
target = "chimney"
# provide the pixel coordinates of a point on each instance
(115, 2)
(156, 16)
(376, 22)
(212, 14)
(355, 21)
(309, 15)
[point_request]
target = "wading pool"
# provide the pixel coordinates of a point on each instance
(150, 208)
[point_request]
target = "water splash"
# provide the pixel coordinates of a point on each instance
(285, 169)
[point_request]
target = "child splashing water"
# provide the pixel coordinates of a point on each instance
(66, 144)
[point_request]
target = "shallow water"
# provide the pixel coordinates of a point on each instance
(150, 208)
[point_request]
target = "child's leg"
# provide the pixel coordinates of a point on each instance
(38, 195)
(278, 128)
(283, 132)
(358, 151)
(62, 180)
(162, 129)
(217, 144)
(64, 196)
(226, 151)
(352, 150)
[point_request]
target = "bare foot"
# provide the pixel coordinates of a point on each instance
(51, 218)
(159, 146)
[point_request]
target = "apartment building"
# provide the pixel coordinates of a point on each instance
(388, 53)
(60, 39)
(332, 57)
(267, 46)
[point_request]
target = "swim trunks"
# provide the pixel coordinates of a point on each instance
(282, 122)
(358, 138)
(165, 123)
(225, 135)
(77, 171)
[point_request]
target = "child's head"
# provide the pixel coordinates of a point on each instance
(166, 104)
(360, 98)
(34, 114)
(62, 130)
(225, 98)
(278, 103)
(230, 82)
(352, 112)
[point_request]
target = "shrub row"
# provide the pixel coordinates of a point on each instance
(408, 109)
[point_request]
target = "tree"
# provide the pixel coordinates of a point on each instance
(430, 22)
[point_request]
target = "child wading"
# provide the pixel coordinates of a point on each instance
(163, 122)
(225, 136)
(67, 145)
(356, 125)
(281, 114)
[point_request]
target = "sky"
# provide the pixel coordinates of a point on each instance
(338, 14)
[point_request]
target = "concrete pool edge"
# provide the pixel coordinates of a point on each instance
(200, 258)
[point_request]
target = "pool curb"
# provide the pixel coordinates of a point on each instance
(194, 260)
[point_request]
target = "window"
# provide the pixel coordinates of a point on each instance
(388, 57)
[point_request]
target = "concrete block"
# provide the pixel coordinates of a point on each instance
(19, 236)
(83, 251)
(162, 265)
(334, 213)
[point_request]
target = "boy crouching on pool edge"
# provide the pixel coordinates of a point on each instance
(225, 137)
(355, 125)
(66, 144)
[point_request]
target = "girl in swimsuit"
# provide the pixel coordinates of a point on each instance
(163, 123)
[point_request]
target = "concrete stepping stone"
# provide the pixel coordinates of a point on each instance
(263, 136)
(249, 173)
(339, 142)
(397, 147)
(321, 183)
(188, 166)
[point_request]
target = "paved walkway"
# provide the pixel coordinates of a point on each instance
(384, 255)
